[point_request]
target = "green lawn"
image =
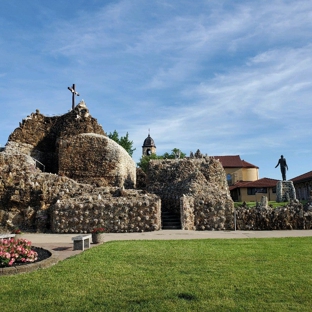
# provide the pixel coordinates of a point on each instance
(184, 275)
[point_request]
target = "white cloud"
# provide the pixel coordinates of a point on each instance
(223, 76)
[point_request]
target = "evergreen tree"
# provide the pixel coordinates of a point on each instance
(123, 141)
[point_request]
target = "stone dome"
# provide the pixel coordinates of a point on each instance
(149, 142)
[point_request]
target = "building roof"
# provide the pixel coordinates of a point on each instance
(264, 182)
(149, 142)
(303, 177)
(248, 165)
(234, 161)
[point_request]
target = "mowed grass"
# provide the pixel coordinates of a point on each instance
(177, 275)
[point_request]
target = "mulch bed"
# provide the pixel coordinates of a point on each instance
(42, 255)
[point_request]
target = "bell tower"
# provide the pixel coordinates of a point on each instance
(149, 146)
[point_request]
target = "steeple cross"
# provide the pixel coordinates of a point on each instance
(74, 92)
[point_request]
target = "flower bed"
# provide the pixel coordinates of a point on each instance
(98, 230)
(16, 231)
(16, 251)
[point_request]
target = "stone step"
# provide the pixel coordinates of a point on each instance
(170, 221)
(171, 227)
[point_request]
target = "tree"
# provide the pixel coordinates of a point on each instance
(114, 136)
(175, 153)
(123, 141)
(144, 161)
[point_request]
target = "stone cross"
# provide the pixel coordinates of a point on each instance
(74, 92)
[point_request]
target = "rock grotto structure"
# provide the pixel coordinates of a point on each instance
(62, 174)
(194, 189)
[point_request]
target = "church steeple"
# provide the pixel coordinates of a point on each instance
(149, 146)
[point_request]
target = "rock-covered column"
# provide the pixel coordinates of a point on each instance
(187, 213)
(285, 191)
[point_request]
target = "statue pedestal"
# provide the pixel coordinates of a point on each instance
(285, 191)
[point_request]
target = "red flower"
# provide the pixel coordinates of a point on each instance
(16, 231)
(98, 230)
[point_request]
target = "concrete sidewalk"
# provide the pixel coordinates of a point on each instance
(62, 244)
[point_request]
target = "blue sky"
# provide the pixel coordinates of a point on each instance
(225, 77)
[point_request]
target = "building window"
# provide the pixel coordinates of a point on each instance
(274, 190)
(255, 190)
(229, 179)
(251, 190)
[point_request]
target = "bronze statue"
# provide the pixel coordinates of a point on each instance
(283, 165)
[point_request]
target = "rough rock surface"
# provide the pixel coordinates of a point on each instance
(89, 182)
(114, 209)
(38, 201)
(140, 179)
(39, 136)
(74, 145)
(194, 188)
(294, 216)
(285, 191)
(96, 159)
(71, 148)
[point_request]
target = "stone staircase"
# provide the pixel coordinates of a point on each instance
(170, 221)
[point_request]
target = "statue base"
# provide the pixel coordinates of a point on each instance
(285, 191)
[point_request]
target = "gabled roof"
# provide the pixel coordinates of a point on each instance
(230, 161)
(264, 182)
(234, 161)
(303, 177)
(248, 165)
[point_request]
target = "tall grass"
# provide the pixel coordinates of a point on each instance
(185, 275)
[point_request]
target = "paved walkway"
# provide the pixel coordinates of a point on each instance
(62, 244)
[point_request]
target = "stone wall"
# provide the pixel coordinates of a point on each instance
(194, 188)
(303, 189)
(187, 213)
(75, 149)
(140, 179)
(24, 190)
(31, 199)
(87, 179)
(96, 159)
(44, 202)
(294, 216)
(131, 211)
